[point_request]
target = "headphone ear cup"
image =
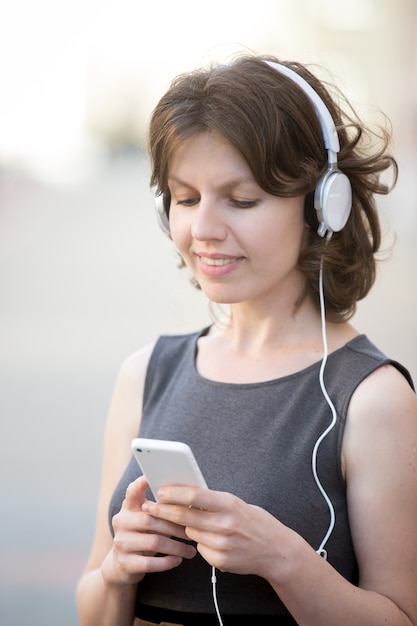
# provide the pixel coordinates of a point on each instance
(162, 204)
(333, 202)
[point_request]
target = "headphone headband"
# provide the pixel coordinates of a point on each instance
(333, 193)
(331, 139)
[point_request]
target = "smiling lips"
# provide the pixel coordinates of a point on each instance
(219, 262)
(216, 265)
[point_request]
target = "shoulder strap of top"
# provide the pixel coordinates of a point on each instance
(363, 346)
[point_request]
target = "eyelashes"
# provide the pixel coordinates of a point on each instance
(240, 204)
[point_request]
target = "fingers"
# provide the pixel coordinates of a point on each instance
(122, 566)
(143, 523)
(191, 506)
(143, 543)
(197, 497)
(230, 534)
(131, 541)
(139, 521)
(135, 494)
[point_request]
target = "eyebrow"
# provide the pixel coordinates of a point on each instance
(235, 182)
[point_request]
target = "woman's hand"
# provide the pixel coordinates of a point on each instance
(140, 537)
(231, 535)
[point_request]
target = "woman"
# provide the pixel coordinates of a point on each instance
(305, 432)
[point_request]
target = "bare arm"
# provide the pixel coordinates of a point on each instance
(99, 601)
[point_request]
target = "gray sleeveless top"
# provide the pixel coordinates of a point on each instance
(256, 441)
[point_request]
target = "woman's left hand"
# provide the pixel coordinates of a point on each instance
(231, 535)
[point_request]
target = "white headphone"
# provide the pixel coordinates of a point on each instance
(162, 210)
(333, 193)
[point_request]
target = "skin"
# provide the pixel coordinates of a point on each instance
(242, 245)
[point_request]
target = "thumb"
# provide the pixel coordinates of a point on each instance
(135, 494)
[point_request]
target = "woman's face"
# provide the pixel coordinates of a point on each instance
(241, 243)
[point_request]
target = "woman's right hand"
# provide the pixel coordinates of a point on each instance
(139, 538)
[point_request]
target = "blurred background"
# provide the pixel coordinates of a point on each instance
(85, 275)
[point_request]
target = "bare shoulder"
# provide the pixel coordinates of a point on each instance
(126, 405)
(135, 365)
(125, 414)
(132, 372)
(380, 462)
(383, 397)
(382, 414)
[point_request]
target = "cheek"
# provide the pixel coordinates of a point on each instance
(287, 237)
(180, 235)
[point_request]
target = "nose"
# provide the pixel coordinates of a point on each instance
(208, 221)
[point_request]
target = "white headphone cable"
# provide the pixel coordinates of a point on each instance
(321, 550)
(216, 604)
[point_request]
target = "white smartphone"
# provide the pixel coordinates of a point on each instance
(167, 463)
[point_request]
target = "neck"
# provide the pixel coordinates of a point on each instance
(273, 326)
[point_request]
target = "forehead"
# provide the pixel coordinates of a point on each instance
(210, 155)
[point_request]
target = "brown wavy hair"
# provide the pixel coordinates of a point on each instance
(269, 119)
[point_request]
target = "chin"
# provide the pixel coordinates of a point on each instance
(222, 296)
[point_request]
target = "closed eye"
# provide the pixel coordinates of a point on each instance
(188, 201)
(243, 204)
(240, 204)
